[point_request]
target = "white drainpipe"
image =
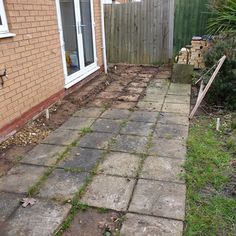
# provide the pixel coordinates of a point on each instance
(103, 37)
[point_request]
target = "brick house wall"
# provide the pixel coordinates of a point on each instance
(33, 58)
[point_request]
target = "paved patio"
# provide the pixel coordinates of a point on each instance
(137, 143)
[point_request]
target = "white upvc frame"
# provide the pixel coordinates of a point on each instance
(4, 27)
(76, 77)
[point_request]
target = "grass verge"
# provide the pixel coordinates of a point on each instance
(210, 210)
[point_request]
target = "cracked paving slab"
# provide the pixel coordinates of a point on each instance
(109, 192)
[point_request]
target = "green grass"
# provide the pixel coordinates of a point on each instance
(209, 211)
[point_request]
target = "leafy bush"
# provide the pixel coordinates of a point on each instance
(223, 17)
(223, 89)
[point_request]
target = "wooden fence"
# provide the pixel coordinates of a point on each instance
(190, 20)
(140, 32)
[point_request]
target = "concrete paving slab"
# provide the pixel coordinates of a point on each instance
(96, 140)
(153, 98)
(173, 118)
(107, 126)
(137, 128)
(109, 192)
(82, 158)
(156, 90)
(9, 202)
(123, 105)
(62, 137)
(171, 131)
(130, 144)
(177, 99)
(144, 116)
(62, 185)
(20, 178)
(183, 109)
(140, 225)
(115, 114)
(43, 219)
(149, 106)
(180, 89)
(121, 164)
(77, 123)
(92, 112)
(43, 154)
(163, 168)
(159, 199)
(168, 148)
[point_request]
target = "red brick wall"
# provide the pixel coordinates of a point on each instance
(33, 56)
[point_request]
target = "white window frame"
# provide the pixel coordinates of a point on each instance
(4, 30)
(4, 26)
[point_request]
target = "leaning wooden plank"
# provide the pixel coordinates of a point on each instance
(221, 61)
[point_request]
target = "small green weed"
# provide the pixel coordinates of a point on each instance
(85, 130)
(102, 210)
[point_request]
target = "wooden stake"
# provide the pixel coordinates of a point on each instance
(203, 94)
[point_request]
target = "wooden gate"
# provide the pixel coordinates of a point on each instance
(140, 32)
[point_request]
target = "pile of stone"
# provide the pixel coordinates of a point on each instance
(194, 53)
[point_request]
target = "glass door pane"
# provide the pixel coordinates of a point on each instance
(87, 31)
(70, 36)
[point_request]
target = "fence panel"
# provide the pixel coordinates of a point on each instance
(140, 32)
(190, 20)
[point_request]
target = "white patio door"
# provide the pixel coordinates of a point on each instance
(76, 25)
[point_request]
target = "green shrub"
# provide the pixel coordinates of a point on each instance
(223, 89)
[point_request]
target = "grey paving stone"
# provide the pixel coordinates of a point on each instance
(92, 112)
(176, 108)
(163, 168)
(144, 116)
(105, 125)
(62, 137)
(82, 158)
(149, 106)
(156, 90)
(8, 204)
(159, 199)
(131, 144)
(96, 140)
(137, 128)
(153, 98)
(173, 118)
(20, 178)
(122, 164)
(177, 99)
(42, 219)
(140, 225)
(109, 192)
(62, 184)
(77, 123)
(115, 114)
(43, 154)
(171, 131)
(179, 89)
(168, 148)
